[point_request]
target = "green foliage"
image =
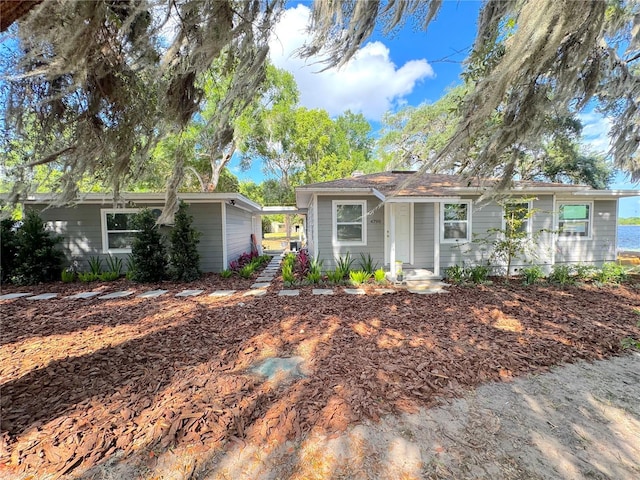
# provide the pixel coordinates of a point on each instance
(68, 276)
(358, 277)
(226, 273)
(88, 276)
(561, 274)
(37, 258)
(478, 273)
(343, 264)
(455, 274)
(611, 273)
(109, 276)
(183, 249)
(148, 259)
(367, 264)
(114, 264)
(629, 221)
(584, 272)
(95, 265)
(335, 276)
(380, 275)
(315, 271)
(248, 269)
(8, 248)
(532, 274)
(288, 277)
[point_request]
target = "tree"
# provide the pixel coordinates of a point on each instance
(532, 60)
(8, 248)
(148, 259)
(183, 250)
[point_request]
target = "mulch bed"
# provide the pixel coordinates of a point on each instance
(83, 381)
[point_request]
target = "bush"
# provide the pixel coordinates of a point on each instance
(109, 276)
(455, 274)
(95, 265)
(479, 273)
(114, 264)
(584, 272)
(611, 273)
(148, 260)
(358, 277)
(532, 274)
(561, 274)
(37, 259)
(9, 248)
(343, 264)
(68, 276)
(88, 276)
(367, 264)
(287, 274)
(335, 276)
(380, 276)
(226, 273)
(183, 250)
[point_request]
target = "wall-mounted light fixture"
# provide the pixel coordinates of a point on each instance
(232, 202)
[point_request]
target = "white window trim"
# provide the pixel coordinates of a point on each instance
(469, 204)
(334, 222)
(529, 220)
(562, 237)
(105, 232)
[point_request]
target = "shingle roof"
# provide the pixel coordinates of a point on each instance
(412, 184)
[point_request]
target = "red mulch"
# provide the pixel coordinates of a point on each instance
(84, 380)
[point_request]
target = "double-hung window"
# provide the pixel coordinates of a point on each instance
(349, 222)
(517, 215)
(574, 219)
(455, 219)
(117, 229)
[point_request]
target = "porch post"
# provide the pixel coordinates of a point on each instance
(436, 238)
(392, 240)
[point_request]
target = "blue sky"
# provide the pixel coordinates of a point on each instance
(410, 66)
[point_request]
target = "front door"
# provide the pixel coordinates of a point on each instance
(402, 214)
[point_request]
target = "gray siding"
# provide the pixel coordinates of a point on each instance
(423, 235)
(239, 231)
(602, 245)
(328, 252)
(81, 229)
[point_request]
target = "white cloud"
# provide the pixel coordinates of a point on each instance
(369, 83)
(595, 131)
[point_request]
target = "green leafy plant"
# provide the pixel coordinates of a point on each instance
(479, 273)
(455, 274)
(584, 272)
(183, 247)
(68, 276)
(37, 257)
(358, 277)
(247, 270)
(367, 264)
(380, 275)
(8, 248)
(148, 259)
(611, 273)
(288, 276)
(109, 276)
(95, 265)
(114, 264)
(87, 277)
(561, 274)
(532, 274)
(344, 264)
(335, 276)
(226, 273)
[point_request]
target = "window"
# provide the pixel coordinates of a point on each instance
(517, 215)
(117, 231)
(574, 219)
(455, 219)
(349, 226)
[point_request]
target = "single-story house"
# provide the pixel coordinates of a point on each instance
(427, 221)
(94, 226)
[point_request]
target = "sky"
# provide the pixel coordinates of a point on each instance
(408, 67)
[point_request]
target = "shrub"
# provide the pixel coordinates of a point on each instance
(455, 274)
(87, 276)
(358, 277)
(479, 273)
(532, 274)
(303, 262)
(561, 274)
(343, 264)
(335, 276)
(226, 273)
(315, 271)
(247, 270)
(95, 265)
(367, 264)
(68, 276)
(584, 272)
(109, 276)
(37, 258)
(611, 273)
(287, 274)
(114, 264)
(183, 249)
(9, 248)
(148, 260)
(380, 275)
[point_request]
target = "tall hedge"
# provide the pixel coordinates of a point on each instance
(183, 250)
(148, 260)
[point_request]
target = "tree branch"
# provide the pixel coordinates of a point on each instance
(52, 157)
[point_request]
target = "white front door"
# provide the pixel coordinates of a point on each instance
(402, 213)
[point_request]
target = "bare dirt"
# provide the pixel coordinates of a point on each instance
(395, 386)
